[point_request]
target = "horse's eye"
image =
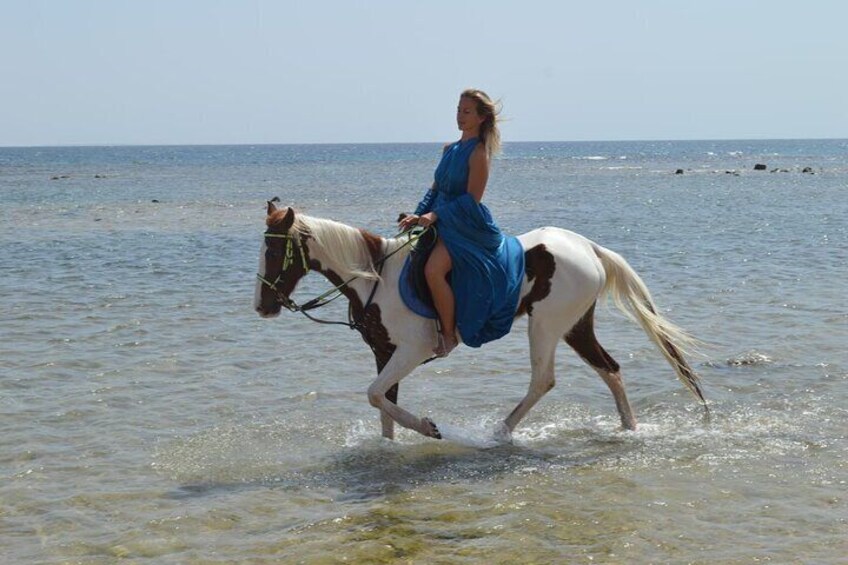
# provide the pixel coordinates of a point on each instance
(272, 253)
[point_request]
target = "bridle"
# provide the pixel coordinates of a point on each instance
(413, 234)
(288, 260)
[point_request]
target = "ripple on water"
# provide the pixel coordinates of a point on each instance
(148, 415)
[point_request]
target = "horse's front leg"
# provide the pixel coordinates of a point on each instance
(403, 362)
(385, 420)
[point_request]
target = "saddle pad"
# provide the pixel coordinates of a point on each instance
(410, 297)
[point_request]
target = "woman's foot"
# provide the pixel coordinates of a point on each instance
(446, 344)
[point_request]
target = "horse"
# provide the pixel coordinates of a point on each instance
(565, 275)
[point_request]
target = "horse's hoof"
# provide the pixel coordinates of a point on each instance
(503, 434)
(432, 430)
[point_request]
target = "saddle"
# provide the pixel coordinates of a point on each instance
(413, 284)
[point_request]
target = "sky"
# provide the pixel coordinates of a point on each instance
(124, 72)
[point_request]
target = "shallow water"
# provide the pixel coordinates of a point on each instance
(148, 414)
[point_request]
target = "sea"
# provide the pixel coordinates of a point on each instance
(148, 415)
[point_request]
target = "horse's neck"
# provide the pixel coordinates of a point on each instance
(349, 257)
(355, 289)
(343, 249)
(389, 250)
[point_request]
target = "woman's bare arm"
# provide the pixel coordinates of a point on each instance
(478, 172)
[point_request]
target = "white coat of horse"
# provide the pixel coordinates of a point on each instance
(565, 275)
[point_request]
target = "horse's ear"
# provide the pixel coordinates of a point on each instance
(288, 220)
(272, 205)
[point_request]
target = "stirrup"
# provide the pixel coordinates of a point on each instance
(444, 346)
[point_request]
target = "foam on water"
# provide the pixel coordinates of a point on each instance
(477, 438)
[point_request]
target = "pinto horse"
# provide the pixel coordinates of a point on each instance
(565, 275)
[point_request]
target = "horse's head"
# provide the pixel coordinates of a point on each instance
(283, 261)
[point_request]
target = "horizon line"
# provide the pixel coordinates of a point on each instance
(245, 144)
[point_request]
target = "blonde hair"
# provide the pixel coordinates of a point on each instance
(490, 135)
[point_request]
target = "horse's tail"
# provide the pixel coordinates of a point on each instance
(632, 297)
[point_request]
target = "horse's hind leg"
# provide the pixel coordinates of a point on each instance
(542, 348)
(582, 339)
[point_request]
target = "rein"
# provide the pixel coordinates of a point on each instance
(327, 297)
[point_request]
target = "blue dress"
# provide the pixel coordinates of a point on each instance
(488, 267)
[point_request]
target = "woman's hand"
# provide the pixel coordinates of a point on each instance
(408, 222)
(427, 219)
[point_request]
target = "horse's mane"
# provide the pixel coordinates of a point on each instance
(344, 246)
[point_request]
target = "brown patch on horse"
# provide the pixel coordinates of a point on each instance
(374, 333)
(539, 265)
(582, 339)
(377, 336)
(374, 244)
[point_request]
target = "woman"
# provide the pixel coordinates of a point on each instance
(486, 268)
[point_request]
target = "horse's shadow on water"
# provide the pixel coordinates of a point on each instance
(374, 472)
(380, 468)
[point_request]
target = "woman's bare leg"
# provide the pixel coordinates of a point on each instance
(437, 268)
